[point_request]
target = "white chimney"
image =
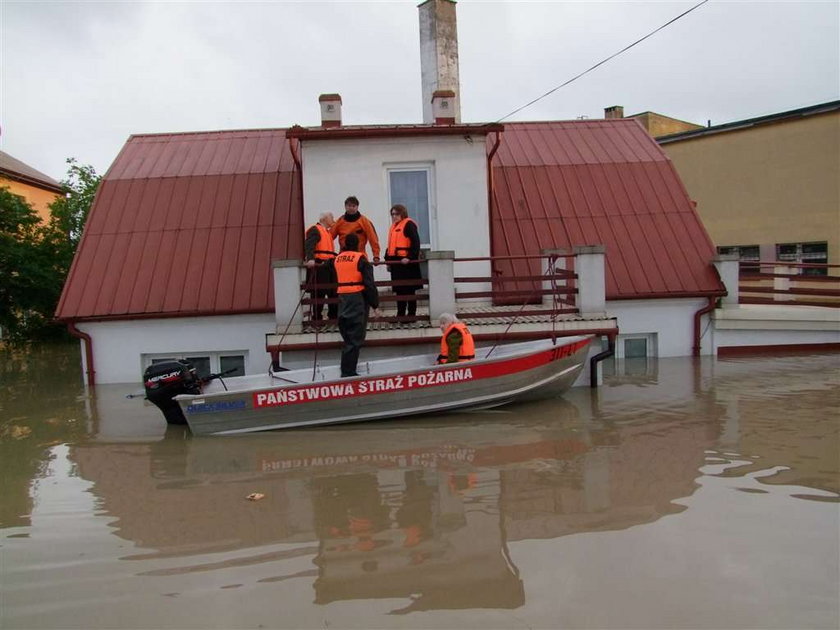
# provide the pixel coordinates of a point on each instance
(439, 56)
(330, 110)
(443, 107)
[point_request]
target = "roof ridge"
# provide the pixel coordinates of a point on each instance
(205, 132)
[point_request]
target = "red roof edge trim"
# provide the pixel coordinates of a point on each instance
(334, 133)
(178, 315)
(669, 295)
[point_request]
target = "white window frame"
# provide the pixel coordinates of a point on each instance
(214, 356)
(429, 168)
(617, 361)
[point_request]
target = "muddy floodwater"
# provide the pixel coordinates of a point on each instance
(682, 494)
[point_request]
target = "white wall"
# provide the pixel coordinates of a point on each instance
(672, 320)
(335, 169)
(118, 346)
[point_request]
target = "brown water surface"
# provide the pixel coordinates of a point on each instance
(682, 494)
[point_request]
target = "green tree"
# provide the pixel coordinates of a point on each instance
(35, 258)
(26, 282)
(69, 213)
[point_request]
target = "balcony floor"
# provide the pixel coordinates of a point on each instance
(494, 323)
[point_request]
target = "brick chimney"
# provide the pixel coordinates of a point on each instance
(439, 56)
(616, 111)
(330, 110)
(443, 107)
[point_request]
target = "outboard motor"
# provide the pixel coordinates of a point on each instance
(165, 380)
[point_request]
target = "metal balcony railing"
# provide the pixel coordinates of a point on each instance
(781, 282)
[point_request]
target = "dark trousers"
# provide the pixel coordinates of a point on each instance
(352, 324)
(411, 271)
(322, 274)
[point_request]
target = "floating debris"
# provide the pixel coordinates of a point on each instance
(255, 496)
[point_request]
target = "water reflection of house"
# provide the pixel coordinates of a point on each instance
(431, 521)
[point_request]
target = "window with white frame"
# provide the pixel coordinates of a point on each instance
(411, 186)
(805, 253)
(635, 356)
(205, 363)
(747, 254)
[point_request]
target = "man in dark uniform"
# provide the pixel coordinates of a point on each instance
(356, 294)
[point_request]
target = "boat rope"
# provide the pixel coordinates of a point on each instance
(549, 270)
(288, 325)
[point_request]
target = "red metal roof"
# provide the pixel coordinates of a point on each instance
(187, 224)
(599, 182)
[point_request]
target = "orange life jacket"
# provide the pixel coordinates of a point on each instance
(324, 247)
(347, 269)
(467, 350)
(399, 244)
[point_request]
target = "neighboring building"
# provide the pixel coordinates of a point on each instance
(655, 124)
(21, 179)
(767, 188)
(176, 256)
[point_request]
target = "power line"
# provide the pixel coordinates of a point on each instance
(603, 61)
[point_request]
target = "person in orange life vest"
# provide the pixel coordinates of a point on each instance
(457, 343)
(403, 248)
(356, 294)
(319, 253)
(354, 222)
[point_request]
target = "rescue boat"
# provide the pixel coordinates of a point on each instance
(386, 388)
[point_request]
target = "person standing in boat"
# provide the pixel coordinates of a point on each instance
(402, 252)
(457, 343)
(354, 222)
(356, 294)
(319, 253)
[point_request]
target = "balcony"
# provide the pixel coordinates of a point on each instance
(555, 293)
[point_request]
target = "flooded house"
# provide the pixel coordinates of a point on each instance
(193, 247)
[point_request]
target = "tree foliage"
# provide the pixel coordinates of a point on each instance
(36, 257)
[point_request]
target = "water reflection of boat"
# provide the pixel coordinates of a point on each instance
(422, 509)
(387, 388)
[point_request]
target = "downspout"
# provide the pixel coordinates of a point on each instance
(594, 361)
(695, 351)
(78, 334)
(294, 145)
(490, 191)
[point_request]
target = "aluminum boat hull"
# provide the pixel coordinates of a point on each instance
(386, 389)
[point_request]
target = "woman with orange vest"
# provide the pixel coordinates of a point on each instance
(356, 294)
(319, 252)
(403, 248)
(456, 343)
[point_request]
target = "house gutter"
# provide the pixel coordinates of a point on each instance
(490, 188)
(594, 361)
(695, 351)
(78, 334)
(294, 148)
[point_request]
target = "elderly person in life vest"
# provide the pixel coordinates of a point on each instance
(402, 253)
(456, 343)
(319, 254)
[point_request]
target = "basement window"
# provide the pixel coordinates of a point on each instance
(205, 363)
